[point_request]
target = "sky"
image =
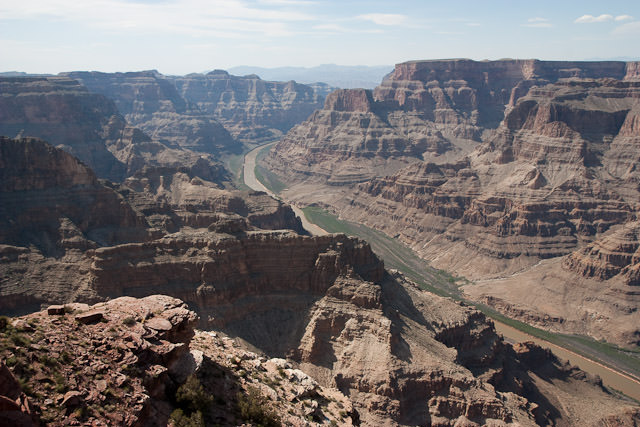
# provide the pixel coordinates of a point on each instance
(183, 36)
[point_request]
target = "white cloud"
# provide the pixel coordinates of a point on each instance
(224, 18)
(589, 19)
(330, 27)
(628, 29)
(473, 24)
(384, 18)
(538, 23)
(624, 18)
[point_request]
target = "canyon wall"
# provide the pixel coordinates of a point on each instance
(398, 354)
(54, 211)
(214, 113)
(89, 126)
(252, 109)
(150, 101)
(483, 168)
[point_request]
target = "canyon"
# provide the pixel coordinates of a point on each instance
(326, 303)
(258, 319)
(518, 175)
(214, 112)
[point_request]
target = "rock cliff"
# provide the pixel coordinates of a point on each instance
(89, 126)
(483, 168)
(214, 113)
(54, 211)
(150, 101)
(251, 109)
(61, 111)
(363, 345)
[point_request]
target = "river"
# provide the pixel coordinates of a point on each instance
(610, 377)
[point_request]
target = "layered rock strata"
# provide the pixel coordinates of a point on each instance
(483, 168)
(252, 109)
(54, 211)
(173, 199)
(87, 125)
(150, 101)
(401, 356)
(214, 113)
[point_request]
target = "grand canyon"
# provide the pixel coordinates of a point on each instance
(144, 281)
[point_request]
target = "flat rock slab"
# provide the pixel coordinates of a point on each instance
(90, 317)
(158, 324)
(55, 310)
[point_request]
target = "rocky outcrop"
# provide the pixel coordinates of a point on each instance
(616, 254)
(143, 364)
(122, 369)
(251, 109)
(484, 168)
(173, 199)
(15, 409)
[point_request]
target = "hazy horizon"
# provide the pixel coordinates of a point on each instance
(183, 36)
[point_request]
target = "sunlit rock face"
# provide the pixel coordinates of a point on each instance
(486, 169)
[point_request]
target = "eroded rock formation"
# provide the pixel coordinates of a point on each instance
(388, 352)
(212, 113)
(87, 125)
(54, 211)
(150, 101)
(483, 168)
(252, 109)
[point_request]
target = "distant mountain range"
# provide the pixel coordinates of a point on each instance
(347, 77)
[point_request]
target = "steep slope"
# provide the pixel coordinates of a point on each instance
(251, 109)
(54, 212)
(400, 355)
(485, 169)
(89, 126)
(150, 101)
(140, 362)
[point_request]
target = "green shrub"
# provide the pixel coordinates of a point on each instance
(46, 360)
(61, 382)
(4, 321)
(65, 357)
(253, 407)
(20, 340)
(129, 321)
(192, 396)
(179, 419)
